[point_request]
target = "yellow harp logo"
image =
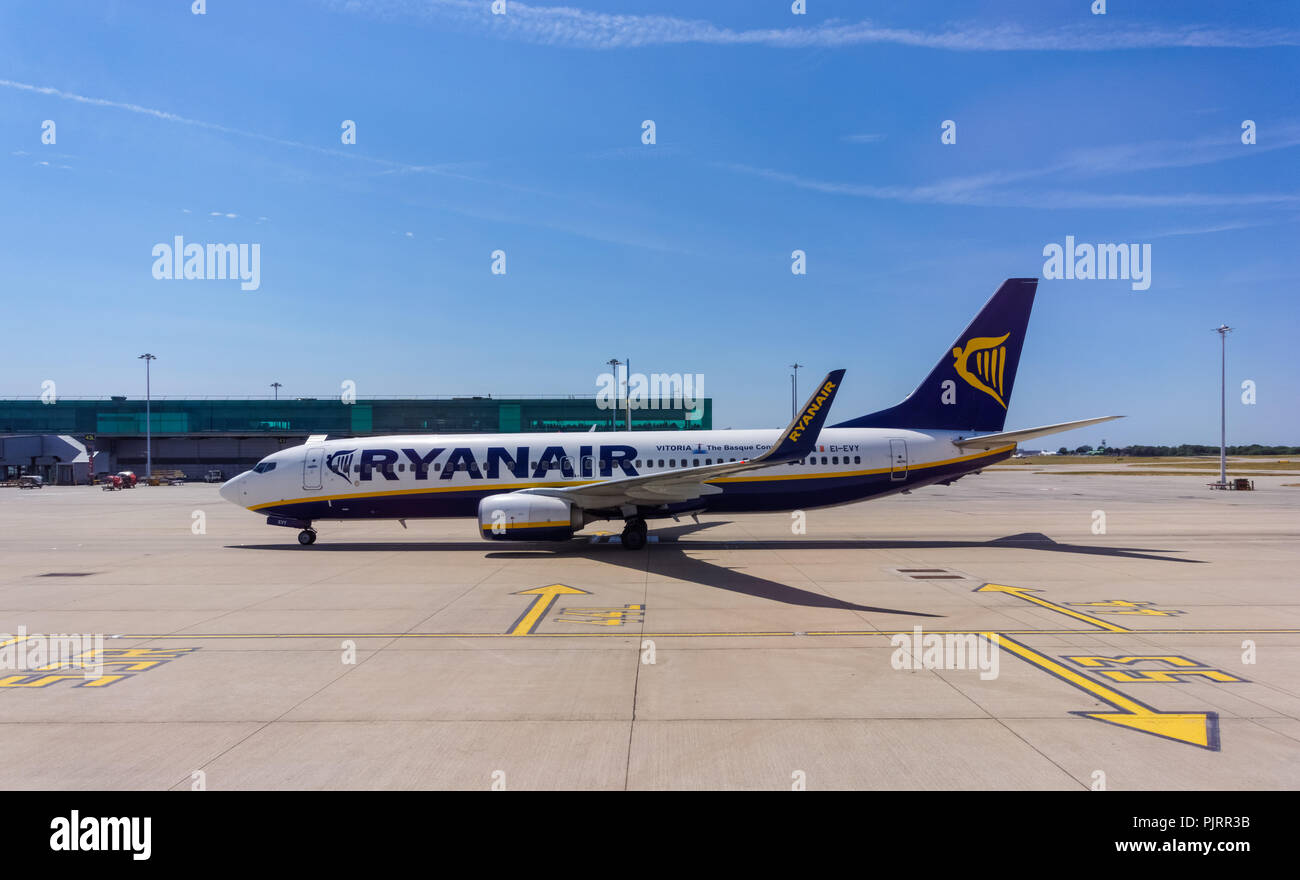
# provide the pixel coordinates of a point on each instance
(986, 371)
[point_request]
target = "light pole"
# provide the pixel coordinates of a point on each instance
(794, 389)
(1223, 330)
(613, 418)
(277, 386)
(627, 390)
(148, 418)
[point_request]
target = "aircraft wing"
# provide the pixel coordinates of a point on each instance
(989, 441)
(686, 484)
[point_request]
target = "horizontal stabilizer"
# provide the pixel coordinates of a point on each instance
(989, 441)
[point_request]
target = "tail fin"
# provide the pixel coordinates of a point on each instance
(970, 388)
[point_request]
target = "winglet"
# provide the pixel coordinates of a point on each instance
(799, 437)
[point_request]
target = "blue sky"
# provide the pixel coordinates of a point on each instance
(522, 132)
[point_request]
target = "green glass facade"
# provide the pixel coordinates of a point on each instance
(120, 417)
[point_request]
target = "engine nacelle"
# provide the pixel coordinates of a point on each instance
(521, 517)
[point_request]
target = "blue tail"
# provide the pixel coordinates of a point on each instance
(970, 388)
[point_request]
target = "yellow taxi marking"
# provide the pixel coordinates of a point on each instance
(1196, 728)
(1023, 593)
(132, 660)
(1123, 606)
(1183, 667)
(602, 616)
(529, 620)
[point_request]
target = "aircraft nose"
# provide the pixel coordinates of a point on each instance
(230, 489)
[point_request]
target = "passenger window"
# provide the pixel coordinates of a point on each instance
(402, 467)
(638, 463)
(823, 459)
(672, 462)
(857, 459)
(835, 459)
(437, 466)
(661, 462)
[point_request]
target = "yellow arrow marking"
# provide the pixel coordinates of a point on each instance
(528, 621)
(1196, 728)
(1023, 593)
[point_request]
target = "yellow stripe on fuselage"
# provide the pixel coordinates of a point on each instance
(910, 468)
(510, 486)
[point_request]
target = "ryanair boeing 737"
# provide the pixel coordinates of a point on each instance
(526, 487)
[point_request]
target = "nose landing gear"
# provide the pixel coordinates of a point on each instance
(635, 533)
(307, 536)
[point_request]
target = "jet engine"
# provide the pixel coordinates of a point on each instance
(518, 516)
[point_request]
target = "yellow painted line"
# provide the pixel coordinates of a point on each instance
(720, 634)
(545, 597)
(1023, 593)
(478, 487)
(15, 640)
(1196, 728)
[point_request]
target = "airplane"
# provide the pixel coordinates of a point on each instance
(530, 487)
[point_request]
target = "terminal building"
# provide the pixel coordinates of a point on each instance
(198, 435)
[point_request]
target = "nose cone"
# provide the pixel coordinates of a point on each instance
(232, 491)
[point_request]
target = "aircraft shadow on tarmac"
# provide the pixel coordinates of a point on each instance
(668, 557)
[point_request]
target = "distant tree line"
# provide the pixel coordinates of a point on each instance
(1187, 449)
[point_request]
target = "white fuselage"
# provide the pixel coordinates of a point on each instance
(413, 476)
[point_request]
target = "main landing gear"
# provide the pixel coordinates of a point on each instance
(307, 536)
(634, 533)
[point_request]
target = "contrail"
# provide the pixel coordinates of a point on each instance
(212, 126)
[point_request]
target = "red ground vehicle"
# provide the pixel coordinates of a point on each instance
(128, 479)
(112, 482)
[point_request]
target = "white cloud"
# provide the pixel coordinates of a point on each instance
(584, 29)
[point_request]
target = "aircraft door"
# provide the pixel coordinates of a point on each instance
(311, 467)
(897, 460)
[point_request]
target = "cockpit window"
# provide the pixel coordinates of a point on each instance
(263, 467)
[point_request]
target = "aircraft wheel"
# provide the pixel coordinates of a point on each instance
(307, 536)
(634, 534)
